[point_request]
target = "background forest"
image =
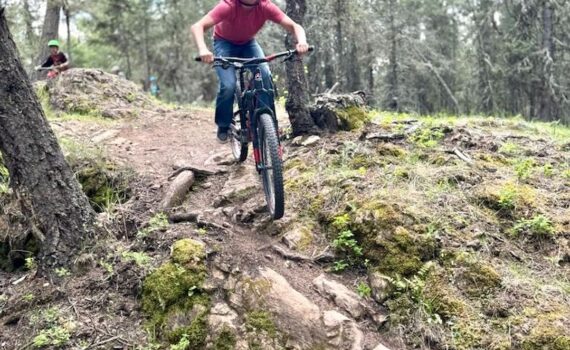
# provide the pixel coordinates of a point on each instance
(490, 57)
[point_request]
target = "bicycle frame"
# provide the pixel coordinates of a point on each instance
(251, 91)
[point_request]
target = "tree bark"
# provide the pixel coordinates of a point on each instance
(49, 32)
(49, 195)
(393, 80)
(298, 98)
(547, 106)
(67, 13)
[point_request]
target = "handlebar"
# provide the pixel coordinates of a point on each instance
(258, 60)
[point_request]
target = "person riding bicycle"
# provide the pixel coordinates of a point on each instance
(56, 59)
(236, 22)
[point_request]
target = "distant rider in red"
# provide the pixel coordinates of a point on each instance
(56, 60)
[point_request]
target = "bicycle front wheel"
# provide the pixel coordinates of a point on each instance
(271, 167)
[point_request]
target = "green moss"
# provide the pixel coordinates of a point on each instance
(226, 340)
(381, 231)
(480, 278)
(174, 289)
(352, 118)
(546, 336)
(387, 149)
(188, 252)
(259, 320)
(509, 198)
(195, 333)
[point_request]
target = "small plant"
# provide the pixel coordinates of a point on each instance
(156, 223)
(340, 265)
(107, 266)
(62, 272)
(509, 148)
(539, 227)
(507, 197)
(55, 336)
(140, 258)
(202, 231)
(183, 344)
(346, 243)
(566, 174)
(31, 263)
(428, 138)
(548, 170)
(364, 290)
(523, 168)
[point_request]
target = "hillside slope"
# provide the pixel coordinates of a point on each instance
(432, 233)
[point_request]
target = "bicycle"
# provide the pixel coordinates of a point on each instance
(253, 122)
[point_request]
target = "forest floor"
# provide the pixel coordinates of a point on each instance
(442, 233)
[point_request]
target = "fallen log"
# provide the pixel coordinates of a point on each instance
(178, 189)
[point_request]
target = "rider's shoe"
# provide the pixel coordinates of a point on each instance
(223, 135)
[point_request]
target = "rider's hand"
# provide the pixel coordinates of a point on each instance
(207, 56)
(302, 48)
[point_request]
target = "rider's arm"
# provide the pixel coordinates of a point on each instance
(198, 30)
(298, 32)
(64, 63)
(47, 63)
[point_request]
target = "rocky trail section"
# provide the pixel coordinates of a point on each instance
(249, 289)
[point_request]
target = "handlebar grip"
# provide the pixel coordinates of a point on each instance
(198, 59)
(311, 48)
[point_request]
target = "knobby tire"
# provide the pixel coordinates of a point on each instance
(272, 171)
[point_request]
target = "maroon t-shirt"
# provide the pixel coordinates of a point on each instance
(55, 60)
(238, 24)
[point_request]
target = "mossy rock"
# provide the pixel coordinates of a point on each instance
(389, 239)
(442, 298)
(480, 278)
(546, 336)
(226, 340)
(103, 184)
(188, 252)
(351, 118)
(173, 290)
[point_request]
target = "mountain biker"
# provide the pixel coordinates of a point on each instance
(236, 22)
(56, 59)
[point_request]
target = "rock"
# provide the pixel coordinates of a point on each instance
(381, 288)
(177, 190)
(105, 135)
(292, 312)
(241, 184)
(298, 238)
(310, 141)
(181, 318)
(342, 332)
(222, 316)
(222, 158)
(297, 141)
(341, 295)
(381, 347)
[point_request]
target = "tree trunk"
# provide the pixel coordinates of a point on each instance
(298, 98)
(393, 80)
(340, 9)
(29, 20)
(49, 195)
(547, 109)
(67, 13)
(49, 32)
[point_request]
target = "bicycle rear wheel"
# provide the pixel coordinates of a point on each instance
(272, 167)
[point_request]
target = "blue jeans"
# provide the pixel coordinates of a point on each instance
(227, 78)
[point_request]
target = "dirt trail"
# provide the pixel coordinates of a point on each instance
(153, 146)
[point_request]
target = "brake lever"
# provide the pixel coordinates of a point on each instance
(289, 57)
